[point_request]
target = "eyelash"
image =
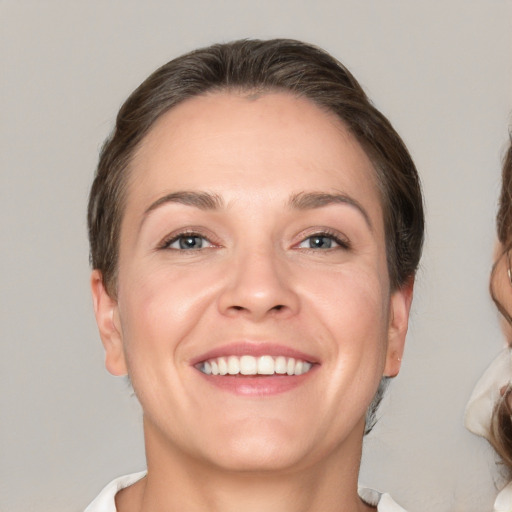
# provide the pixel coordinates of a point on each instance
(168, 241)
(342, 242)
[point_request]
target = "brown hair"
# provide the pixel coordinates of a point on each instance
(501, 424)
(504, 217)
(259, 66)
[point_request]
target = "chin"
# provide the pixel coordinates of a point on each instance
(257, 457)
(258, 449)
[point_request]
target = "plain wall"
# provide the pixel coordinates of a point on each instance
(440, 70)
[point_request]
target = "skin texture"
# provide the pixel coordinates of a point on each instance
(257, 281)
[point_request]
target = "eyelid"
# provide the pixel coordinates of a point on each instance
(341, 240)
(184, 232)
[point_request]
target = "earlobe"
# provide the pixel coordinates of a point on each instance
(400, 306)
(107, 318)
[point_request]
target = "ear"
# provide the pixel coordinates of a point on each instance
(107, 317)
(400, 306)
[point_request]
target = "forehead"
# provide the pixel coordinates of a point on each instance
(271, 145)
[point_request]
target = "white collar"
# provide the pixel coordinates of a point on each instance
(105, 501)
(503, 501)
(486, 394)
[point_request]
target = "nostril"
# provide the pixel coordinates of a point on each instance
(278, 307)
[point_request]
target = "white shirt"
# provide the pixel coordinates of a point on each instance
(105, 502)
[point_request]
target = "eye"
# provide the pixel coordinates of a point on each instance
(187, 242)
(323, 241)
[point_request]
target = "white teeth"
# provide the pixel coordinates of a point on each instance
(290, 366)
(250, 365)
(223, 366)
(280, 365)
(266, 365)
(233, 365)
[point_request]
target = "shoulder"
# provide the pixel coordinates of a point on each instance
(105, 501)
(383, 501)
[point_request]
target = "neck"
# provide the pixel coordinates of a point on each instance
(179, 481)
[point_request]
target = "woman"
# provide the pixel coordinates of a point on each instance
(489, 411)
(255, 227)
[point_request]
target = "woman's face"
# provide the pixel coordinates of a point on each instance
(252, 241)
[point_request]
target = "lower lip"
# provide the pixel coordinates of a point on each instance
(257, 385)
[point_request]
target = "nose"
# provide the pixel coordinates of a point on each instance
(260, 285)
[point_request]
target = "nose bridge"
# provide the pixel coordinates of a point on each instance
(260, 283)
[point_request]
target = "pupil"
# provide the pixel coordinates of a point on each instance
(190, 242)
(321, 242)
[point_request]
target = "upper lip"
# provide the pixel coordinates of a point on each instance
(255, 349)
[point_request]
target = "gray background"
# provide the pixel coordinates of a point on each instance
(441, 71)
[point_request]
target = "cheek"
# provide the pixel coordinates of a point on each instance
(352, 314)
(353, 298)
(352, 310)
(159, 310)
(159, 305)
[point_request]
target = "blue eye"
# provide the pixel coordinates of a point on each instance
(188, 242)
(322, 241)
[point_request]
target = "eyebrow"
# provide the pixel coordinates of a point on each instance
(301, 201)
(201, 200)
(312, 200)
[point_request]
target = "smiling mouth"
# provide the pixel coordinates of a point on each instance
(265, 365)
